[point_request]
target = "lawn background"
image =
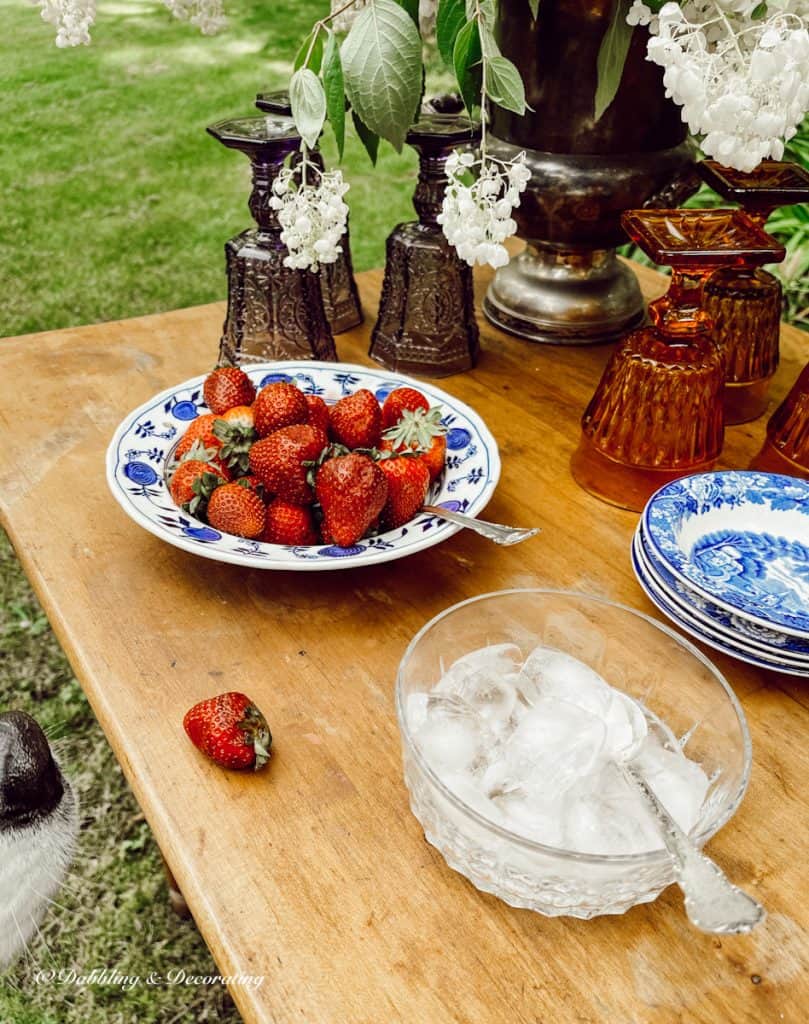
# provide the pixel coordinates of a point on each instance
(115, 203)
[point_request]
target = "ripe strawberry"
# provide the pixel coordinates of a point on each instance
(408, 482)
(235, 433)
(352, 491)
(356, 420)
(200, 429)
(278, 461)
(253, 482)
(289, 524)
(318, 413)
(230, 730)
(421, 432)
(226, 387)
(399, 400)
(235, 509)
(279, 405)
(192, 484)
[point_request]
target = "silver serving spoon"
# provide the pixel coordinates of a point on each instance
(712, 902)
(497, 532)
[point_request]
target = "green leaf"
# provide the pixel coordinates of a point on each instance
(759, 12)
(308, 102)
(504, 85)
(335, 90)
(488, 44)
(412, 8)
(534, 5)
(317, 51)
(466, 60)
(368, 138)
(486, 9)
(383, 70)
(448, 23)
(612, 56)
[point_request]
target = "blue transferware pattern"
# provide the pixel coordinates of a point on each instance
(143, 444)
(661, 602)
(754, 559)
(706, 616)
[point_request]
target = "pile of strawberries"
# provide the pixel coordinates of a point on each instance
(285, 468)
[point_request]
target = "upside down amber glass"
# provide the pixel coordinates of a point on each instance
(745, 303)
(657, 412)
(786, 448)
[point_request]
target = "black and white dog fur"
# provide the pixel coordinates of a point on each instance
(39, 821)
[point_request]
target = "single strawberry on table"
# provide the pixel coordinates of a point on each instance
(289, 524)
(422, 432)
(408, 482)
(279, 405)
(226, 387)
(278, 461)
(231, 730)
(192, 484)
(235, 508)
(399, 400)
(352, 491)
(356, 420)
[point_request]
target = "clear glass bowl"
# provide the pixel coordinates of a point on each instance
(645, 659)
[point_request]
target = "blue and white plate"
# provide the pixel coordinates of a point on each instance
(713, 621)
(741, 540)
(143, 443)
(663, 602)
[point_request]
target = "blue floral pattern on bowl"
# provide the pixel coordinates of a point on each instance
(727, 626)
(136, 473)
(739, 539)
(663, 603)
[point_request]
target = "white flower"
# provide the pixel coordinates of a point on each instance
(312, 215)
(476, 219)
(206, 15)
(72, 19)
(743, 84)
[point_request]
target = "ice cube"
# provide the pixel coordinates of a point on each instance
(607, 817)
(494, 662)
(553, 744)
(492, 698)
(452, 736)
(467, 788)
(538, 820)
(679, 783)
(560, 675)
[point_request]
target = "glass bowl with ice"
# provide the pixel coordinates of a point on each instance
(516, 710)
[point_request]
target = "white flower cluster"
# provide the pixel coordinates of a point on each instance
(72, 19)
(743, 83)
(206, 15)
(476, 218)
(312, 217)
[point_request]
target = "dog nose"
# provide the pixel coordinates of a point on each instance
(30, 782)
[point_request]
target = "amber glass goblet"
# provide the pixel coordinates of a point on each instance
(426, 323)
(786, 448)
(657, 412)
(341, 300)
(274, 312)
(745, 302)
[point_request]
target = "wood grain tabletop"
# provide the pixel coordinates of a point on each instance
(314, 873)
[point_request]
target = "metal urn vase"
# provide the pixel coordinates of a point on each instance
(568, 286)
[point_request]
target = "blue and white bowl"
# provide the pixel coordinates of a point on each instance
(141, 449)
(766, 639)
(664, 603)
(740, 540)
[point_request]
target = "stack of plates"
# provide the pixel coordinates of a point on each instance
(726, 557)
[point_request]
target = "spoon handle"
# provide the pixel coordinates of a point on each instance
(497, 532)
(712, 902)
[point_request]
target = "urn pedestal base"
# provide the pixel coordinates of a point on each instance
(563, 296)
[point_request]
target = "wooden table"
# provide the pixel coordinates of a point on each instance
(314, 873)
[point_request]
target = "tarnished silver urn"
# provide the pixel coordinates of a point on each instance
(568, 286)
